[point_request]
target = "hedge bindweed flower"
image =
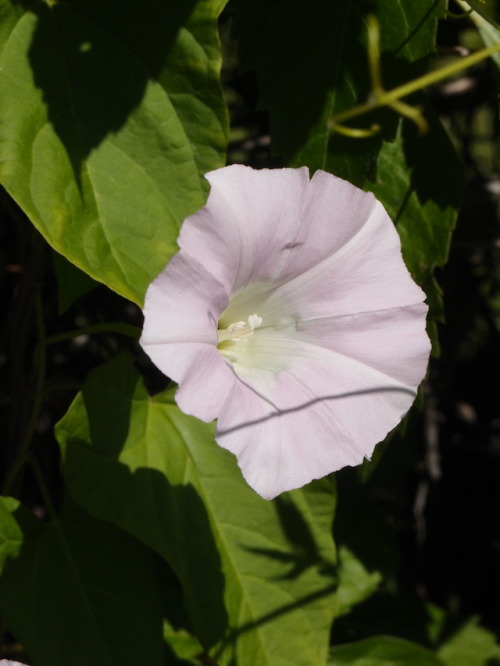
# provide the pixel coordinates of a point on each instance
(289, 315)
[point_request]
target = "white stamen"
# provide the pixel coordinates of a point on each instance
(240, 331)
(254, 321)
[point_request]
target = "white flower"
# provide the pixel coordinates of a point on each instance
(289, 316)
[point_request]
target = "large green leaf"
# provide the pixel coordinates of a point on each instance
(311, 63)
(383, 651)
(71, 597)
(258, 576)
(110, 114)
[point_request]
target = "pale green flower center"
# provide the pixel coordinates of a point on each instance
(236, 344)
(256, 344)
(254, 348)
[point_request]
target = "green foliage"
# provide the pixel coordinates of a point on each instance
(333, 47)
(70, 594)
(111, 115)
(470, 645)
(419, 182)
(356, 583)
(383, 651)
(265, 575)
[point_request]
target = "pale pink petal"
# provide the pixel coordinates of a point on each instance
(391, 341)
(183, 304)
(324, 412)
(251, 219)
(198, 367)
(181, 311)
(333, 213)
(367, 274)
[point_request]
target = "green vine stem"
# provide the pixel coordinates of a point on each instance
(380, 97)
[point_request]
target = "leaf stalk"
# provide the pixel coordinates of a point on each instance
(380, 97)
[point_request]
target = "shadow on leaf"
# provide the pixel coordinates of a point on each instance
(304, 551)
(93, 62)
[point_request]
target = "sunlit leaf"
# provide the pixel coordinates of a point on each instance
(382, 651)
(470, 645)
(110, 114)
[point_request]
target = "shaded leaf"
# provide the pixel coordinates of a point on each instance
(356, 583)
(71, 597)
(13, 531)
(110, 115)
(258, 576)
(72, 283)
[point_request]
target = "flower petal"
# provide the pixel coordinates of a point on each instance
(392, 341)
(207, 381)
(333, 214)
(183, 304)
(325, 411)
(181, 311)
(245, 231)
(367, 274)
